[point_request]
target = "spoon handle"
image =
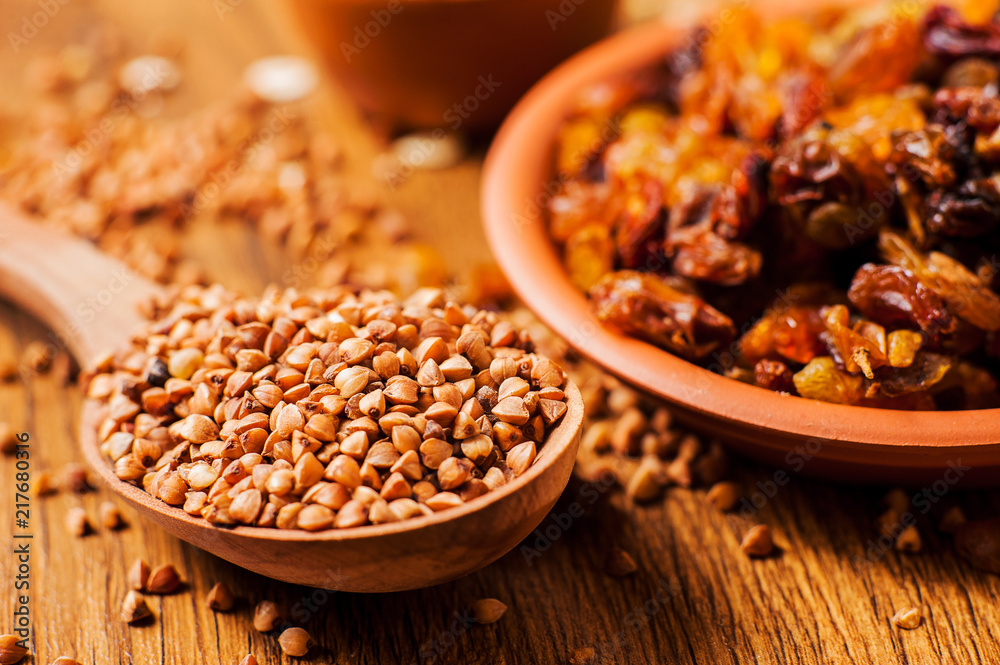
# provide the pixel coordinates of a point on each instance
(88, 300)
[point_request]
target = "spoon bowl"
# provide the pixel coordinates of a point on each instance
(63, 281)
(411, 554)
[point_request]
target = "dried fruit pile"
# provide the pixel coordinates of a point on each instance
(770, 203)
(327, 409)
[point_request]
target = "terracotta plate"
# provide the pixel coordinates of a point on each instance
(843, 442)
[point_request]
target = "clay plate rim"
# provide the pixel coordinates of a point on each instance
(519, 160)
(563, 440)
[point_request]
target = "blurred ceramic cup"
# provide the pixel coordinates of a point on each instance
(459, 65)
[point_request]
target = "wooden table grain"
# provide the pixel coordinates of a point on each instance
(827, 598)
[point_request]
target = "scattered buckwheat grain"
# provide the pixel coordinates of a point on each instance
(138, 575)
(488, 610)
(619, 563)
(758, 542)
(134, 608)
(909, 540)
(952, 519)
(8, 440)
(295, 642)
(77, 522)
(163, 580)
(10, 650)
(220, 598)
(111, 517)
(266, 616)
(907, 618)
(723, 496)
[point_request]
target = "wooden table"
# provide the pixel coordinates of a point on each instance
(695, 599)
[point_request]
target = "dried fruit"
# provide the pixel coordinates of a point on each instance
(820, 379)
(770, 164)
(893, 296)
(648, 307)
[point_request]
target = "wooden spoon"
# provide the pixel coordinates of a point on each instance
(89, 301)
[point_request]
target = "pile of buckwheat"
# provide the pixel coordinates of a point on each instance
(323, 409)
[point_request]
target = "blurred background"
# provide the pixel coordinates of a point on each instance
(70, 116)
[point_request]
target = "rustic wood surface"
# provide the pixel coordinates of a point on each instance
(695, 599)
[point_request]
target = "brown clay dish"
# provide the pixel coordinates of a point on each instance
(836, 441)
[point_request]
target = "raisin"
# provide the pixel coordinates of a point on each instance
(640, 228)
(946, 33)
(774, 375)
(823, 167)
(646, 306)
(927, 370)
(895, 297)
(977, 108)
(821, 379)
(790, 332)
(852, 350)
(696, 247)
(972, 210)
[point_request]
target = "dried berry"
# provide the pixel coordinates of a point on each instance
(646, 306)
(945, 33)
(895, 297)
